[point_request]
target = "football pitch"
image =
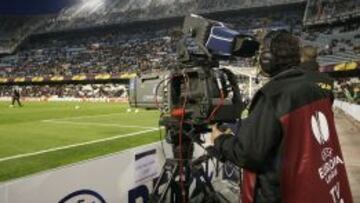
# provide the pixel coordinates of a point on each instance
(46, 135)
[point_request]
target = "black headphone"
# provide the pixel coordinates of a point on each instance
(267, 58)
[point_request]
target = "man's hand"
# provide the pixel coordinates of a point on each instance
(217, 133)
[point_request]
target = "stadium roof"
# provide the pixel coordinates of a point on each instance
(33, 7)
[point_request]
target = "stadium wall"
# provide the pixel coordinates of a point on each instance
(351, 109)
(121, 177)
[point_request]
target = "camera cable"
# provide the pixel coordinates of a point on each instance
(181, 160)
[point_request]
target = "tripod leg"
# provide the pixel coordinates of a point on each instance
(204, 186)
(168, 184)
(153, 197)
(168, 173)
(179, 194)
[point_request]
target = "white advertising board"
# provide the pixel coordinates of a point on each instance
(127, 176)
(67, 99)
(351, 109)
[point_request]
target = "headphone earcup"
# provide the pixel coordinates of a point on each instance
(266, 62)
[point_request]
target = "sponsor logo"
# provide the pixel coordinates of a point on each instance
(230, 172)
(335, 193)
(326, 153)
(83, 196)
(328, 171)
(320, 127)
(325, 86)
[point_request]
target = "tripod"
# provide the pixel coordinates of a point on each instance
(193, 170)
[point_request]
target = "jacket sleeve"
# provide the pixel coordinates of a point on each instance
(257, 140)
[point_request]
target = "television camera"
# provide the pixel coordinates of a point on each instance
(192, 94)
(196, 87)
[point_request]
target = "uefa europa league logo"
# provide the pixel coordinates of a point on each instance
(320, 127)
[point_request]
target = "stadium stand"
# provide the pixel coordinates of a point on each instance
(113, 12)
(90, 13)
(117, 50)
(112, 53)
(14, 29)
(335, 43)
(328, 11)
(348, 90)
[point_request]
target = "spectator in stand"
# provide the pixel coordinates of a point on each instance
(144, 66)
(352, 93)
(356, 95)
(308, 55)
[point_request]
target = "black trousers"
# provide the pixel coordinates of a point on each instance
(17, 99)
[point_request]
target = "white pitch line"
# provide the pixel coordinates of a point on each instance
(99, 124)
(80, 117)
(90, 116)
(75, 145)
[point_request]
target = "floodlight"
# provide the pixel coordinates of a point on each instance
(92, 5)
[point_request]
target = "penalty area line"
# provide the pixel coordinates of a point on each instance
(75, 145)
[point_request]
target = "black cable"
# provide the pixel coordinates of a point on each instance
(157, 92)
(181, 172)
(161, 140)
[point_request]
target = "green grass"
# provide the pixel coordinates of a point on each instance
(40, 126)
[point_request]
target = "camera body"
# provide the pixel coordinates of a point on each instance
(201, 94)
(196, 89)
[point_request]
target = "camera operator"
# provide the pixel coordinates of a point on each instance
(288, 145)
